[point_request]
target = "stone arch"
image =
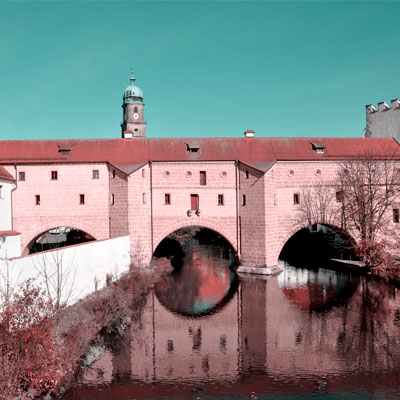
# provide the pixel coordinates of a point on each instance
(30, 238)
(298, 228)
(202, 222)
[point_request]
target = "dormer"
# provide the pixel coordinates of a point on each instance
(64, 148)
(193, 147)
(318, 147)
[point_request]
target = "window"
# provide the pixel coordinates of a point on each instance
(112, 199)
(296, 198)
(203, 178)
(396, 215)
(21, 176)
(194, 201)
(243, 199)
(81, 199)
(144, 198)
(246, 174)
(37, 199)
(143, 173)
(220, 199)
(170, 346)
(113, 173)
(95, 174)
(54, 175)
(338, 196)
(167, 198)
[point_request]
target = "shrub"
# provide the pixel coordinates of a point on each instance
(29, 361)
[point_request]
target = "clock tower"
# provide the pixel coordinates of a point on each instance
(133, 124)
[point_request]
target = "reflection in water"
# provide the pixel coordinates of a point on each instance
(204, 283)
(316, 290)
(302, 334)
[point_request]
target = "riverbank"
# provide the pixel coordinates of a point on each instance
(105, 311)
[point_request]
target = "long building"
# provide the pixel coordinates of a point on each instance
(245, 188)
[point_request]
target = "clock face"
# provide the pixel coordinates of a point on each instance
(136, 115)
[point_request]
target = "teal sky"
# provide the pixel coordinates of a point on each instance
(214, 69)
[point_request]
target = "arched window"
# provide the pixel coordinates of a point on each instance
(135, 110)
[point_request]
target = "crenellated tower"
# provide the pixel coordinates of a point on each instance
(384, 121)
(133, 124)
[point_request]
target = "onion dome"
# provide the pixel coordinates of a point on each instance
(133, 93)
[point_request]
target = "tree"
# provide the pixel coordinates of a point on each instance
(316, 205)
(56, 272)
(369, 188)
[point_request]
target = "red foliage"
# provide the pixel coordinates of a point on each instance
(29, 364)
(377, 257)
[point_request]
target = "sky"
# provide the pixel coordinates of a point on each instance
(206, 68)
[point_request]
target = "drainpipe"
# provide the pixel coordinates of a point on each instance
(237, 210)
(12, 191)
(151, 205)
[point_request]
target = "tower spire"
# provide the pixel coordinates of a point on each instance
(133, 79)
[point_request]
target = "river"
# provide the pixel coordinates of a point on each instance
(206, 333)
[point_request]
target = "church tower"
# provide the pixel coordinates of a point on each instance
(133, 124)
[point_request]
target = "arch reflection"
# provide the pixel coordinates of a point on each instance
(203, 284)
(316, 289)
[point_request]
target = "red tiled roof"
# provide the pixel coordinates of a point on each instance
(5, 175)
(141, 150)
(10, 233)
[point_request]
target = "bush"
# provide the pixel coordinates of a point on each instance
(378, 259)
(29, 361)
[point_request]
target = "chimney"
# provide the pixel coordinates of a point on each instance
(249, 133)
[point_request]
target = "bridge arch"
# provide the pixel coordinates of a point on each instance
(341, 232)
(200, 222)
(33, 236)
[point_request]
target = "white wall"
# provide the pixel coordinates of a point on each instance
(79, 266)
(11, 247)
(5, 205)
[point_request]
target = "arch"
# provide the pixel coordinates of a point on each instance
(27, 244)
(201, 222)
(298, 228)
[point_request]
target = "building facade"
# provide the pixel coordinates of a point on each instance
(247, 189)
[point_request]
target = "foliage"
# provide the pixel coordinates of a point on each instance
(378, 259)
(30, 363)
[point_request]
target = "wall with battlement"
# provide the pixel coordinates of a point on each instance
(384, 121)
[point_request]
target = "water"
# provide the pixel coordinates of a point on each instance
(204, 333)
